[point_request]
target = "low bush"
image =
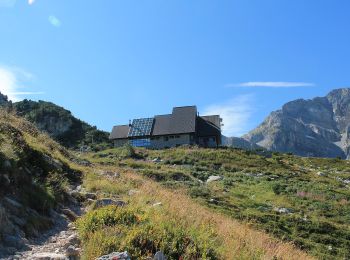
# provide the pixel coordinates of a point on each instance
(143, 233)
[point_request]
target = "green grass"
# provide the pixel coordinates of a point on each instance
(142, 232)
(34, 170)
(255, 186)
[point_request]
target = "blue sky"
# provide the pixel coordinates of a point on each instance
(110, 60)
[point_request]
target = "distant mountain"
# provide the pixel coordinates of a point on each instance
(60, 124)
(319, 127)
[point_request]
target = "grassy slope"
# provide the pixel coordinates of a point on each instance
(253, 189)
(180, 221)
(34, 170)
(41, 171)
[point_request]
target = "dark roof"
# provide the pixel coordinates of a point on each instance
(214, 119)
(119, 132)
(206, 128)
(161, 125)
(181, 121)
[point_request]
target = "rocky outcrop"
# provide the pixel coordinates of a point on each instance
(319, 127)
(60, 124)
(238, 142)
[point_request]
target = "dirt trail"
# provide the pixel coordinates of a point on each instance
(55, 243)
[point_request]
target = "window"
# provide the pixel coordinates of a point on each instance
(166, 138)
(140, 142)
(177, 136)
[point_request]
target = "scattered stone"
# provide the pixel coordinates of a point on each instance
(73, 239)
(214, 178)
(214, 201)
(106, 202)
(157, 204)
(157, 160)
(116, 256)
(70, 214)
(72, 252)
(90, 195)
(321, 174)
(283, 210)
(133, 192)
(48, 256)
(159, 256)
(90, 201)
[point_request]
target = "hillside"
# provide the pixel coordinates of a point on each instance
(35, 175)
(319, 127)
(61, 125)
(40, 178)
(302, 200)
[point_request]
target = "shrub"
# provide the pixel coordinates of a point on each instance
(143, 233)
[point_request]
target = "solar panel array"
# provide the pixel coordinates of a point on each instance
(141, 127)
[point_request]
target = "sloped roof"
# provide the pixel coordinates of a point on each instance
(214, 119)
(206, 128)
(182, 120)
(161, 125)
(119, 132)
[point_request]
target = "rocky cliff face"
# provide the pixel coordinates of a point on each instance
(60, 124)
(319, 127)
(238, 142)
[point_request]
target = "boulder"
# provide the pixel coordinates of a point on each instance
(69, 214)
(73, 239)
(283, 210)
(90, 195)
(321, 174)
(159, 256)
(72, 252)
(214, 178)
(48, 256)
(133, 192)
(107, 201)
(156, 160)
(115, 256)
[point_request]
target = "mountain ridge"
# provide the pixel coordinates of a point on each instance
(318, 127)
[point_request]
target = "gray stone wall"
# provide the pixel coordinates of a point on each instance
(120, 142)
(170, 141)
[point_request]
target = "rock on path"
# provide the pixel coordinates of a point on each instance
(59, 243)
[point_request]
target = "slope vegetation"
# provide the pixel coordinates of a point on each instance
(36, 178)
(301, 200)
(35, 173)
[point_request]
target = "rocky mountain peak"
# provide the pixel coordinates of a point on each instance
(317, 127)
